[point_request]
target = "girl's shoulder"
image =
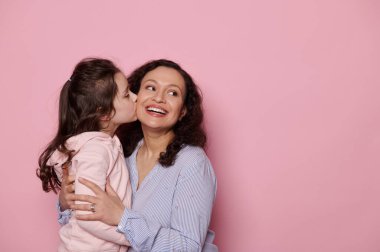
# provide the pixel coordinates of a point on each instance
(85, 137)
(94, 147)
(93, 138)
(87, 141)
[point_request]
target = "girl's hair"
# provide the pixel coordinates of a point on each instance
(84, 99)
(188, 130)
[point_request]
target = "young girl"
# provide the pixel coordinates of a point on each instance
(93, 103)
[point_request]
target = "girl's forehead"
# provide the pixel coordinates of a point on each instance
(121, 81)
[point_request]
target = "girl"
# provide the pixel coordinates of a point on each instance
(92, 105)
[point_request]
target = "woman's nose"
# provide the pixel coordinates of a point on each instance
(159, 97)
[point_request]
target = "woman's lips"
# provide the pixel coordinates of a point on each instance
(156, 111)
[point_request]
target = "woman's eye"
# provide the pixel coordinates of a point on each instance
(173, 93)
(151, 88)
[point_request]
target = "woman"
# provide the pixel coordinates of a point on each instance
(173, 183)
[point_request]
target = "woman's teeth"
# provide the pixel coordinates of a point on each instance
(157, 110)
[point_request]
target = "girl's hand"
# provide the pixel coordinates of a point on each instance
(107, 205)
(67, 190)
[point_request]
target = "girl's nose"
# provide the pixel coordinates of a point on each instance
(133, 96)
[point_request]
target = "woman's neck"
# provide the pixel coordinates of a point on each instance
(155, 143)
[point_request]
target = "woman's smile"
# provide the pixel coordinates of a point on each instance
(156, 111)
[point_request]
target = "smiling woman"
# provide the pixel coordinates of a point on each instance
(173, 182)
(161, 99)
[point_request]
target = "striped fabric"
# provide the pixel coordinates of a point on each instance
(171, 209)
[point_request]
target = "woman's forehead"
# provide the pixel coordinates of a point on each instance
(165, 76)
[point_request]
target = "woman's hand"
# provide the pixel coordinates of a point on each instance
(67, 190)
(107, 206)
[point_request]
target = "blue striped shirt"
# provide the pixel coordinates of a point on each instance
(172, 207)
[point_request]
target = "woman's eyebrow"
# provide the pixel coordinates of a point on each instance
(151, 80)
(170, 85)
(174, 85)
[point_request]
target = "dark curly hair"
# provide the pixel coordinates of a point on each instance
(84, 99)
(187, 131)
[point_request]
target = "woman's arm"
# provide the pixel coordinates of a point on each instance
(67, 189)
(190, 217)
(66, 197)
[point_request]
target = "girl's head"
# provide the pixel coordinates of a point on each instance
(167, 98)
(95, 98)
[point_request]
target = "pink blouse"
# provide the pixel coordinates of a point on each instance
(98, 157)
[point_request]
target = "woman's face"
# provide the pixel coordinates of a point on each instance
(160, 100)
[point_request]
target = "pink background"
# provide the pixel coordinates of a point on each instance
(291, 94)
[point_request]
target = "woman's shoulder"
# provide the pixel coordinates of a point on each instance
(191, 153)
(193, 159)
(190, 150)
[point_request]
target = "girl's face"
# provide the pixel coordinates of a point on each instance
(160, 100)
(124, 104)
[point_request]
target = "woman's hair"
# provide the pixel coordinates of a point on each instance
(84, 99)
(188, 130)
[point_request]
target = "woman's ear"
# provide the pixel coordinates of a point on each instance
(183, 113)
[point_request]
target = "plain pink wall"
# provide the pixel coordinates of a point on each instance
(291, 93)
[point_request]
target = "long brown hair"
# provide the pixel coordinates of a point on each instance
(84, 98)
(188, 131)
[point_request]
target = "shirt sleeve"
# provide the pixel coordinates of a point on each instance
(92, 162)
(190, 218)
(63, 216)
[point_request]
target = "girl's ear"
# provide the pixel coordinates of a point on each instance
(103, 117)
